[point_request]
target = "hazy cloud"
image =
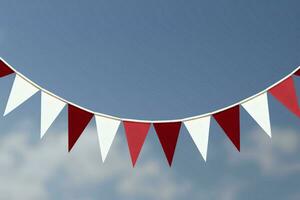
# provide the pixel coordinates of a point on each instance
(272, 156)
(42, 169)
(28, 167)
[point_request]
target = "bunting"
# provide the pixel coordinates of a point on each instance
(258, 108)
(50, 109)
(297, 73)
(199, 131)
(229, 120)
(136, 131)
(285, 92)
(78, 120)
(5, 69)
(168, 135)
(136, 134)
(20, 92)
(107, 129)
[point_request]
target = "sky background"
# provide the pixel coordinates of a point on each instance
(149, 60)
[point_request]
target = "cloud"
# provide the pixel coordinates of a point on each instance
(229, 189)
(151, 182)
(226, 188)
(42, 169)
(274, 156)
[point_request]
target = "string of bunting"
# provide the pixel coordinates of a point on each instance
(136, 131)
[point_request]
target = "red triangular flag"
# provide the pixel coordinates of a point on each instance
(168, 134)
(4, 69)
(285, 92)
(136, 133)
(78, 120)
(229, 120)
(297, 73)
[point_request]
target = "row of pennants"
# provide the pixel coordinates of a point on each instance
(136, 132)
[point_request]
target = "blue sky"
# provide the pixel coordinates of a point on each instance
(149, 60)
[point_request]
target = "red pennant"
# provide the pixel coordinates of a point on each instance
(297, 73)
(78, 120)
(168, 134)
(285, 92)
(136, 134)
(229, 120)
(4, 69)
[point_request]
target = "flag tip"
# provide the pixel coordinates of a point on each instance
(6, 113)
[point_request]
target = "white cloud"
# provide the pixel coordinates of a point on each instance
(226, 188)
(151, 181)
(229, 189)
(37, 169)
(28, 167)
(270, 155)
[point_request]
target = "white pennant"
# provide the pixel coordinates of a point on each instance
(107, 129)
(50, 109)
(20, 92)
(199, 131)
(258, 108)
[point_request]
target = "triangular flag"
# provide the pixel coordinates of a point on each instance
(297, 73)
(136, 133)
(285, 92)
(199, 131)
(258, 108)
(107, 129)
(168, 134)
(20, 92)
(5, 69)
(50, 109)
(229, 120)
(78, 119)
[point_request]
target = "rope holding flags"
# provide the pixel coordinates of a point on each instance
(136, 131)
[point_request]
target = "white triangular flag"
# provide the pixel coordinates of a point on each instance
(107, 129)
(258, 108)
(50, 109)
(20, 92)
(199, 131)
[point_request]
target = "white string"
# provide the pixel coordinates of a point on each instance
(148, 121)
